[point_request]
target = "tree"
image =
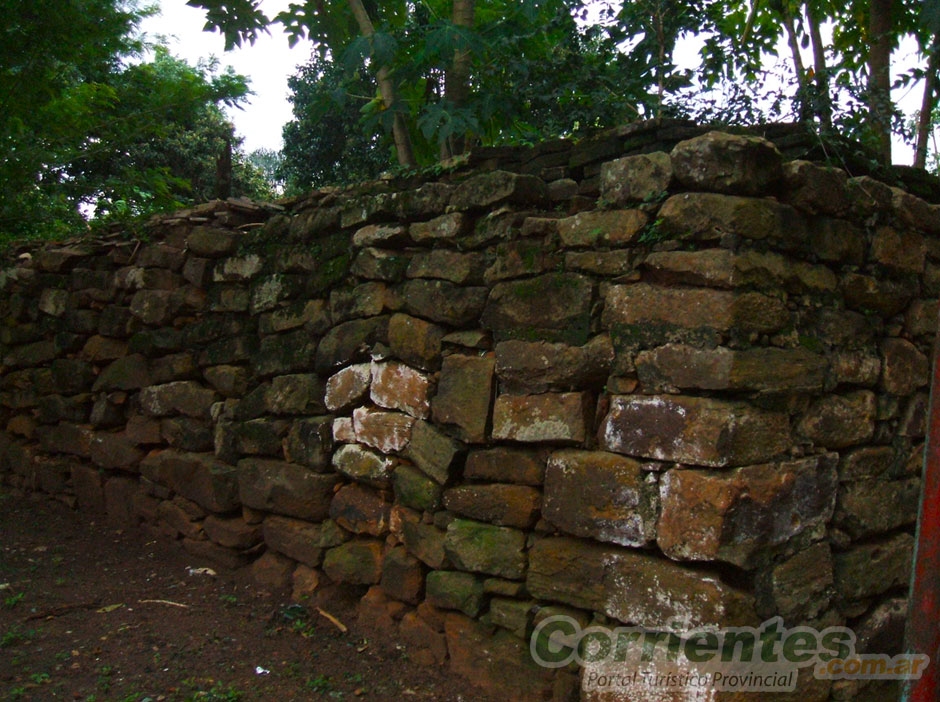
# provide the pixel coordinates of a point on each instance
(87, 128)
(324, 143)
(441, 67)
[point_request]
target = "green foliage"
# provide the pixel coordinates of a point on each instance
(324, 144)
(87, 129)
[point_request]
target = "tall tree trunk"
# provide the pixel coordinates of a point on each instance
(457, 80)
(931, 83)
(879, 76)
(402, 137)
(794, 42)
(822, 103)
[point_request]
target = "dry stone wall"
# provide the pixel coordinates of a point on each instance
(684, 385)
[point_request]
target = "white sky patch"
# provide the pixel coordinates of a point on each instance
(268, 63)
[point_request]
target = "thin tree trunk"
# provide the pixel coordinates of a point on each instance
(457, 80)
(823, 103)
(794, 42)
(879, 76)
(931, 81)
(661, 43)
(402, 137)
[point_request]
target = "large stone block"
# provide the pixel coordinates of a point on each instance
(443, 302)
(415, 341)
(295, 394)
(659, 313)
(400, 387)
(640, 178)
(386, 431)
(358, 562)
(869, 507)
(693, 430)
(284, 488)
(506, 465)
(739, 515)
(504, 505)
(361, 510)
(184, 397)
(128, 373)
(551, 417)
(199, 477)
(875, 567)
(455, 590)
(364, 465)
(727, 163)
(602, 496)
(838, 421)
(349, 342)
(484, 548)
(708, 217)
(720, 368)
(534, 367)
(464, 395)
(904, 368)
(553, 306)
(309, 442)
(296, 539)
(497, 187)
(601, 228)
(349, 387)
(498, 663)
(432, 451)
(633, 586)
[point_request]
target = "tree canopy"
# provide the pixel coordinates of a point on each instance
(89, 127)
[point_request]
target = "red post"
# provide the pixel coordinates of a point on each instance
(923, 621)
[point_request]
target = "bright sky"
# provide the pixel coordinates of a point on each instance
(270, 61)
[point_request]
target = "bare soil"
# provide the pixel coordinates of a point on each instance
(90, 613)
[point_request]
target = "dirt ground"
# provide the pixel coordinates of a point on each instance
(89, 613)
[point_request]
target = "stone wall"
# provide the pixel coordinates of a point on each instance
(685, 386)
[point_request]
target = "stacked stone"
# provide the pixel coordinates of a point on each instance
(669, 390)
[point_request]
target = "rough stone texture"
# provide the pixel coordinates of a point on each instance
(361, 464)
(744, 512)
(504, 505)
(283, 488)
(601, 496)
(904, 368)
(432, 451)
(348, 387)
(415, 341)
(636, 178)
(398, 386)
(199, 477)
(295, 539)
(694, 430)
(424, 364)
(797, 588)
(551, 417)
(484, 548)
(532, 367)
(606, 228)
(873, 568)
(687, 367)
(464, 395)
(632, 586)
(838, 421)
(455, 590)
(869, 507)
(555, 306)
(358, 562)
(727, 163)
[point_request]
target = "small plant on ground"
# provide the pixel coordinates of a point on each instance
(13, 600)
